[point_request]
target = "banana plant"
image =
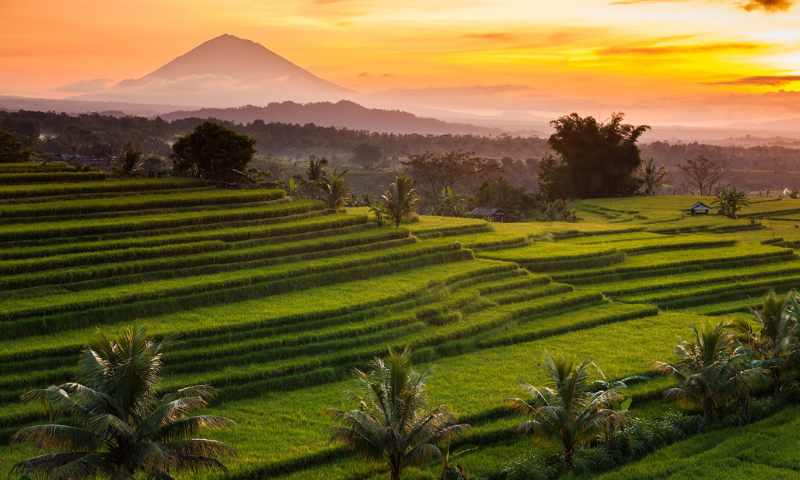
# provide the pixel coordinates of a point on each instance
(455, 472)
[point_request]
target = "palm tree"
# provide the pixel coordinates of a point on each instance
(118, 427)
(390, 423)
(651, 177)
(130, 157)
(334, 189)
(774, 337)
(315, 170)
(709, 371)
(731, 201)
(568, 410)
(400, 200)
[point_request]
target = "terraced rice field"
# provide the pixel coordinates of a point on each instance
(276, 299)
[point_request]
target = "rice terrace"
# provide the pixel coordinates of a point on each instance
(275, 299)
(484, 240)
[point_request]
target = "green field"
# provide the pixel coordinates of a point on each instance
(276, 299)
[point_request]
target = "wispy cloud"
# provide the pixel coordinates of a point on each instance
(682, 49)
(762, 80)
(86, 86)
(749, 5)
(489, 36)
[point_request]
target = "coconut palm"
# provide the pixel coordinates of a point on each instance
(708, 370)
(391, 424)
(118, 427)
(568, 410)
(334, 189)
(315, 170)
(651, 177)
(773, 338)
(130, 157)
(400, 200)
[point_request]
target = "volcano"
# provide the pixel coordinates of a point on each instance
(226, 71)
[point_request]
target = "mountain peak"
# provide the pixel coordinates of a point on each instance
(225, 71)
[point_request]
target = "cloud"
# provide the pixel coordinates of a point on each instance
(473, 90)
(681, 49)
(765, 80)
(768, 5)
(488, 36)
(365, 74)
(771, 6)
(86, 86)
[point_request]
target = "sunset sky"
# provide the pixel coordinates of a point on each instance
(668, 62)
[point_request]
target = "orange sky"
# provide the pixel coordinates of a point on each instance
(678, 61)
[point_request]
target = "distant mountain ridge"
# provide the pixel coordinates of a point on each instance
(340, 114)
(224, 72)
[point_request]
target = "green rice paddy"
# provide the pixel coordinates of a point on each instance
(276, 299)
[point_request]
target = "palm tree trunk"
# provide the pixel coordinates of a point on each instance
(569, 451)
(708, 410)
(776, 380)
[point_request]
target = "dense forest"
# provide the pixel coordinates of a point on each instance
(290, 145)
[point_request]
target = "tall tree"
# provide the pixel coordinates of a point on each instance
(601, 158)
(130, 157)
(553, 178)
(651, 177)
(315, 170)
(12, 150)
(367, 155)
(211, 151)
(334, 189)
(400, 199)
(708, 370)
(701, 175)
(773, 335)
(453, 169)
(391, 423)
(570, 409)
(118, 426)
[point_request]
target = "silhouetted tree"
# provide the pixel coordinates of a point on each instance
(651, 177)
(212, 151)
(456, 168)
(12, 150)
(367, 155)
(601, 158)
(553, 178)
(701, 174)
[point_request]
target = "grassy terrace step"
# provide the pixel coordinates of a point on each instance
(547, 252)
(699, 295)
(297, 332)
(110, 186)
(38, 177)
(33, 307)
(422, 337)
(337, 334)
(235, 231)
(551, 257)
(489, 240)
(33, 167)
(657, 263)
(15, 267)
(536, 328)
(282, 309)
(765, 449)
(33, 231)
(244, 258)
(614, 238)
(705, 277)
(237, 236)
(722, 308)
(136, 203)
